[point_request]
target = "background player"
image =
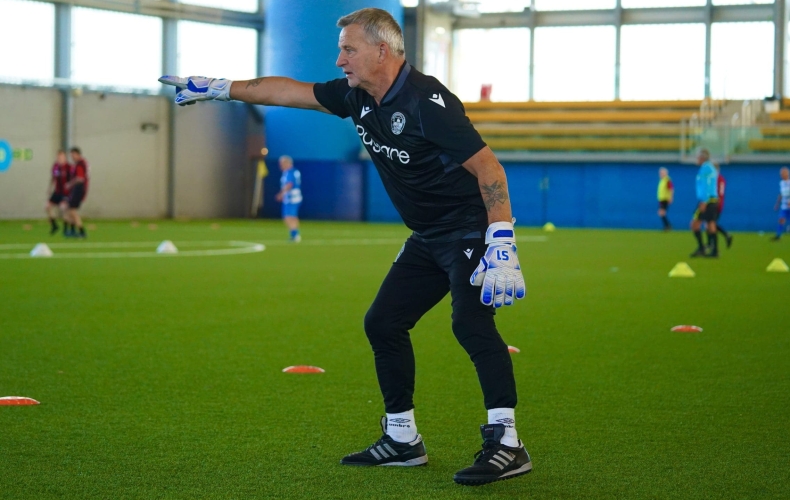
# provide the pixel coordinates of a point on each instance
(78, 190)
(291, 196)
(707, 205)
(58, 195)
(666, 193)
(721, 185)
(450, 189)
(783, 203)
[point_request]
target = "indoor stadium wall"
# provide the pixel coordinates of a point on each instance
(30, 119)
(615, 195)
(125, 139)
(595, 195)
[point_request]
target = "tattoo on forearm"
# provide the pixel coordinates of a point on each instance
(254, 83)
(494, 193)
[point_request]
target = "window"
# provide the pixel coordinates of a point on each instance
(496, 57)
(574, 5)
(240, 5)
(642, 4)
(741, 2)
(662, 61)
(574, 63)
(32, 36)
(502, 5)
(115, 49)
(196, 56)
(742, 60)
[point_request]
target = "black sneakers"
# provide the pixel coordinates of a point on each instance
(387, 451)
(495, 462)
(698, 253)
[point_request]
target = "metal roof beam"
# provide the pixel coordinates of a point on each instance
(173, 10)
(665, 15)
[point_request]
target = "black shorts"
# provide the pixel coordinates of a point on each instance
(76, 196)
(57, 198)
(711, 213)
(663, 205)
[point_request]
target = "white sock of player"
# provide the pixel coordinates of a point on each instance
(401, 426)
(506, 416)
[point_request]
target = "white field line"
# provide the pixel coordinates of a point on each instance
(237, 247)
(379, 241)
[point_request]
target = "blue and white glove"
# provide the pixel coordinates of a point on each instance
(498, 271)
(198, 88)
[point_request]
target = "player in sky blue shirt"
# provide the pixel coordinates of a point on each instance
(707, 205)
(291, 196)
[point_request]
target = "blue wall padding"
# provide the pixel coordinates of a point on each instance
(378, 207)
(301, 42)
(606, 195)
(621, 195)
(331, 190)
(615, 195)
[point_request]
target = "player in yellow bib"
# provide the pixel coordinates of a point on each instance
(666, 193)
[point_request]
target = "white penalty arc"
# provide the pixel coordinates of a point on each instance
(233, 248)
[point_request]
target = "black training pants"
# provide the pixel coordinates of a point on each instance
(419, 278)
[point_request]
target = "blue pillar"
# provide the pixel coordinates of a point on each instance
(301, 43)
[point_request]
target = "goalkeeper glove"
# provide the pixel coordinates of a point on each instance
(499, 272)
(198, 88)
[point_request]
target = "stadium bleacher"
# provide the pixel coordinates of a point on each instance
(607, 126)
(647, 126)
(775, 138)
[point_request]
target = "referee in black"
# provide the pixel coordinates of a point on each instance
(450, 189)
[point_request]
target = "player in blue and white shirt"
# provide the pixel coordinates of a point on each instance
(707, 205)
(291, 196)
(783, 202)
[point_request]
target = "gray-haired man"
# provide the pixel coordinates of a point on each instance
(451, 191)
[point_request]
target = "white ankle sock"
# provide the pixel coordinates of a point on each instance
(401, 426)
(506, 416)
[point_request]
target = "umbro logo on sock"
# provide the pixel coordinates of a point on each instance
(468, 252)
(398, 420)
(507, 421)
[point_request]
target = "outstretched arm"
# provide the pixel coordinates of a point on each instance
(493, 184)
(271, 91)
(276, 91)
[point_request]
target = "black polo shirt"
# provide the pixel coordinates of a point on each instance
(417, 138)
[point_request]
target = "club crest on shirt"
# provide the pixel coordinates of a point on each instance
(398, 122)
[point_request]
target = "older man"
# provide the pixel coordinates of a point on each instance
(452, 192)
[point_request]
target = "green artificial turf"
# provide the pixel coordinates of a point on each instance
(161, 377)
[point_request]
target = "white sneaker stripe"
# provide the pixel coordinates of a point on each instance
(373, 452)
(381, 450)
(507, 456)
(497, 464)
(500, 460)
(389, 449)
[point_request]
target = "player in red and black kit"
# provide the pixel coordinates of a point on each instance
(721, 184)
(58, 194)
(78, 189)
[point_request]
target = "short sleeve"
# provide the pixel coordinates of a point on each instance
(445, 124)
(332, 96)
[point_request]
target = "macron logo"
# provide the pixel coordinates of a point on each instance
(468, 253)
(365, 111)
(437, 98)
